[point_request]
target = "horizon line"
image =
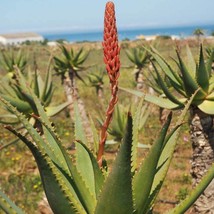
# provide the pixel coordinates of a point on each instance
(98, 29)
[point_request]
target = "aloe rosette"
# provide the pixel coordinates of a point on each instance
(140, 58)
(193, 76)
(14, 91)
(11, 59)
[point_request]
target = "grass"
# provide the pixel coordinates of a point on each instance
(19, 174)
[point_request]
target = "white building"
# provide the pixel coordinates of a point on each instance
(19, 38)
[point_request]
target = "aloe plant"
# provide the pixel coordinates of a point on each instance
(198, 32)
(118, 124)
(79, 184)
(193, 76)
(96, 81)
(13, 90)
(153, 82)
(140, 58)
(12, 60)
(68, 67)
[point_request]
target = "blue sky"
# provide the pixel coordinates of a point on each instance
(78, 15)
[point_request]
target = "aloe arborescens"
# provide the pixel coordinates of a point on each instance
(78, 184)
(192, 76)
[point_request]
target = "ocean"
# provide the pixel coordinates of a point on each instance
(130, 34)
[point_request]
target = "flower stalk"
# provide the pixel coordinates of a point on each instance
(111, 52)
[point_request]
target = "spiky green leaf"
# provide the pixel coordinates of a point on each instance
(202, 74)
(190, 83)
(165, 66)
(59, 191)
(166, 91)
(89, 168)
(143, 179)
(191, 65)
(196, 192)
(53, 110)
(162, 102)
(79, 130)
(114, 198)
(135, 139)
(7, 205)
(167, 153)
(207, 106)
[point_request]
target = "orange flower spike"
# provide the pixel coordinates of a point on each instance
(111, 52)
(110, 44)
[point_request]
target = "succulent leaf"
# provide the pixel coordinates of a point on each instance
(12, 119)
(143, 179)
(135, 140)
(46, 85)
(114, 196)
(165, 66)
(202, 74)
(53, 110)
(207, 106)
(167, 153)
(8, 206)
(36, 84)
(91, 169)
(79, 130)
(162, 102)
(79, 182)
(54, 182)
(166, 91)
(22, 106)
(190, 84)
(191, 65)
(184, 205)
(85, 167)
(95, 136)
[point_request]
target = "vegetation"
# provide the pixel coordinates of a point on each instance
(140, 58)
(87, 180)
(198, 32)
(96, 80)
(192, 77)
(12, 60)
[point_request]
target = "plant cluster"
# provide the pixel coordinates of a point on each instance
(84, 182)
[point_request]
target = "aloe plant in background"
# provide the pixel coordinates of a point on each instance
(198, 32)
(140, 58)
(193, 75)
(13, 90)
(96, 80)
(79, 184)
(118, 124)
(11, 59)
(68, 67)
(153, 82)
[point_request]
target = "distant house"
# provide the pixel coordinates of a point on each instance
(147, 38)
(19, 38)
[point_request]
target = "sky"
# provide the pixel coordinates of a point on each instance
(87, 15)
